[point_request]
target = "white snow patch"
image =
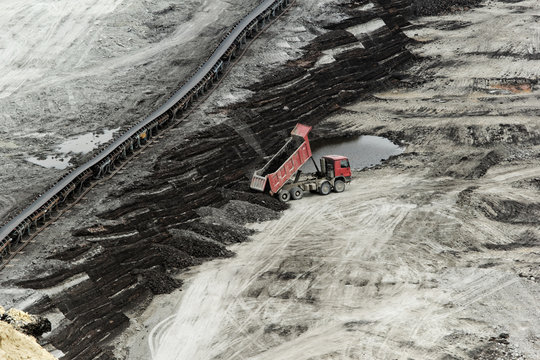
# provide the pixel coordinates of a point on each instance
(112, 237)
(283, 44)
(341, 49)
(329, 55)
(69, 283)
(237, 96)
(325, 59)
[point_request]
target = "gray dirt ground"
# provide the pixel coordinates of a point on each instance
(71, 69)
(433, 256)
(427, 257)
(387, 277)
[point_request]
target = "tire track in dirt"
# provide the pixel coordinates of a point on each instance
(264, 256)
(255, 261)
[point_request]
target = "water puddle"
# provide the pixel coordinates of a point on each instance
(51, 161)
(85, 143)
(81, 144)
(364, 151)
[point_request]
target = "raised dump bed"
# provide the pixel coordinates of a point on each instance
(285, 163)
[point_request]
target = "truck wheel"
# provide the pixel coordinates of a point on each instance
(339, 186)
(296, 193)
(325, 188)
(284, 196)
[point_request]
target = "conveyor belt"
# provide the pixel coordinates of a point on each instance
(232, 39)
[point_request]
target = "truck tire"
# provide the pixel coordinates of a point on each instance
(296, 193)
(339, 186)
(283, 196)
(325, 188)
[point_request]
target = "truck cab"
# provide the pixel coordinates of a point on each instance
(336, 167)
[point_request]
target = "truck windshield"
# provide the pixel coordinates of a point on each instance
(344, 163)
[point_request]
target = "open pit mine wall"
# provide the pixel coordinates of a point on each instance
(13, 232)
(161, 228)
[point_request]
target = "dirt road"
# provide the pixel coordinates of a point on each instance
(390, 275)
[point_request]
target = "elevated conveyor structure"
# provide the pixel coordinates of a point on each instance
(13, 232)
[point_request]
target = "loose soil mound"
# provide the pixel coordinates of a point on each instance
(28, 324)
(17, 346)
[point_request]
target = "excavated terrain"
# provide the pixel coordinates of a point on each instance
(467, 113)
(190, 196)
(75, 75)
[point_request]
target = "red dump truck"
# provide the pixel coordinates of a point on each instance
(282, 176)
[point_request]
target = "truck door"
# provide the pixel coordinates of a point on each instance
(343, 168)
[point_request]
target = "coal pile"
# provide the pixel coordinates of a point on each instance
(437, 7)
(158, 282)
(198, 245)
